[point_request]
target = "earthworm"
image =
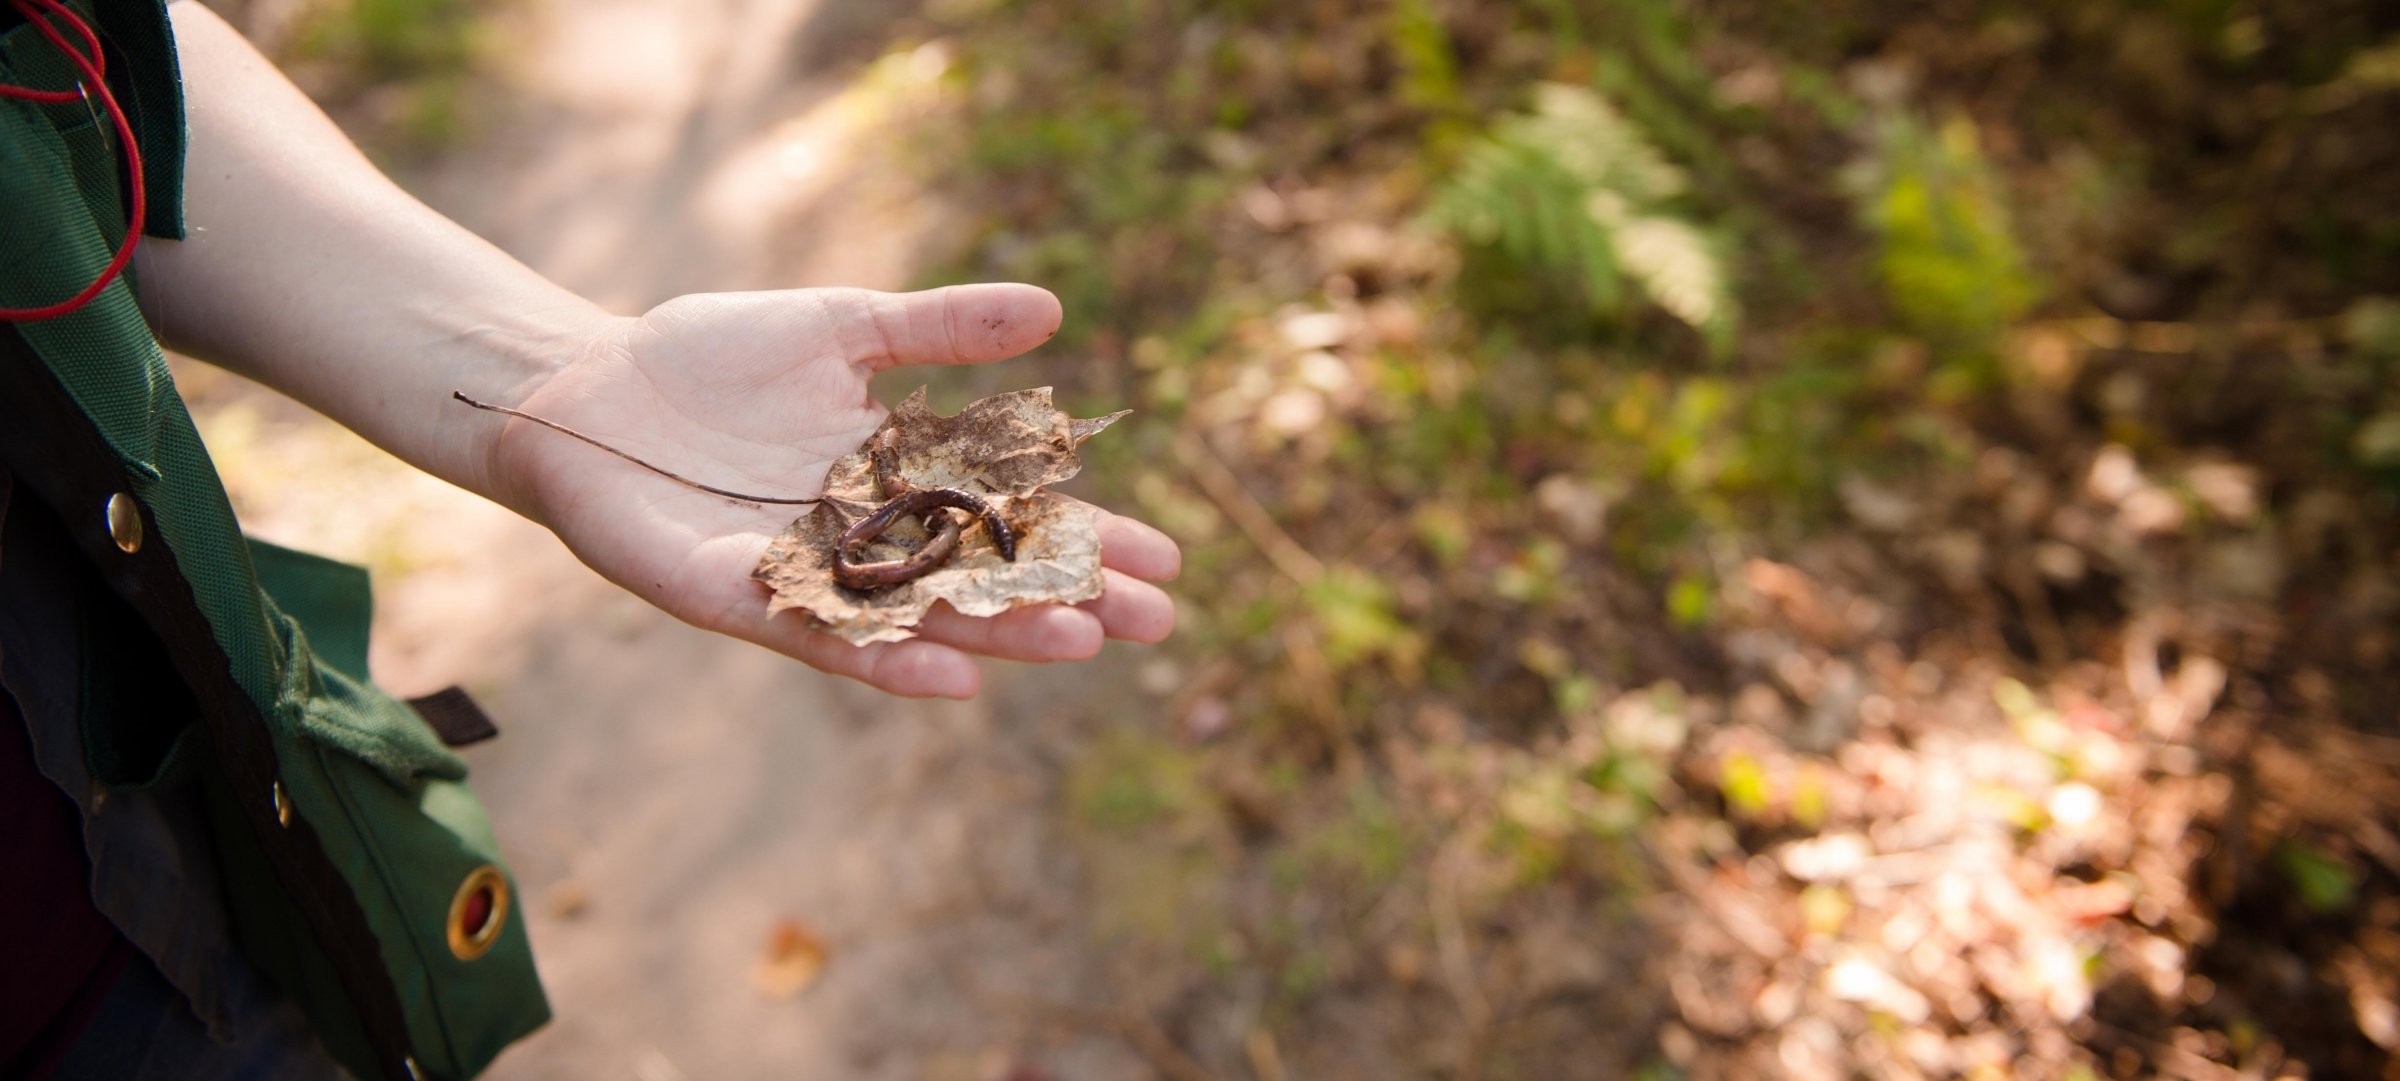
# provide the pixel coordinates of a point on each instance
(905, 500)
(892, 572)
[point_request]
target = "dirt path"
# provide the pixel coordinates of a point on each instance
(669, 798)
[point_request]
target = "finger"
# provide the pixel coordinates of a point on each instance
(1134, 547)
(1133, 610)
(962, 324)
(912, 669)
(921, 669)
(1038, 633)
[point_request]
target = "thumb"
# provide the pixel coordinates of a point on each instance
(961, 324)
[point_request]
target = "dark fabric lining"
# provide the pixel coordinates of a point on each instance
(455, 717)
(62, 954)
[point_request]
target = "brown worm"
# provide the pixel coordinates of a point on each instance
(928, 502)
(905, 500)
(891, 572)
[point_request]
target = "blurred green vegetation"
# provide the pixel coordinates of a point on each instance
(425, 55)
(403, 75)
(1486, 352)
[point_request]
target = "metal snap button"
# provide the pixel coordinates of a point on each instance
(125, 522)
(477, 912)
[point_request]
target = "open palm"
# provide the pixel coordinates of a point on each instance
(760, 392)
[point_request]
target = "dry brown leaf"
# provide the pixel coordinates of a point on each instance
(793, 958)
(1007, 448)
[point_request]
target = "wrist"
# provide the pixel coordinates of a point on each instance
(508, 361)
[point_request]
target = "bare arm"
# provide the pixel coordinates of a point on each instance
(305, 268)
(308, 270)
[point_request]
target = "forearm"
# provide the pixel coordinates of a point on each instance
(306, 269)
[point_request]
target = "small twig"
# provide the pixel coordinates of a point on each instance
(1450, 939)
(2368, 745)
(2160, 336)
(1255, 521)
(1317, 682)
(670, 475)
(1266, 1060)
(2041, 620)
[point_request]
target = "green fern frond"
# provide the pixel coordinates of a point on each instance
(1576, 193)
(1676, 267)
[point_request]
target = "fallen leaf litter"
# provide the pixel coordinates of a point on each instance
(1006, 448)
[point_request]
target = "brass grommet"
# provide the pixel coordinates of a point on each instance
(283, 805)
(125, 523)
(477, 912)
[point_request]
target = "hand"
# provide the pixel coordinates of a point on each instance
(760, 392)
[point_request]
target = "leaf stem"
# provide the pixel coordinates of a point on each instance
(669, 474)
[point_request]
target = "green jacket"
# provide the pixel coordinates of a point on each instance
(362, 875)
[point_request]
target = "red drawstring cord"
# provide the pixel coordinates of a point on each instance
(93, 70)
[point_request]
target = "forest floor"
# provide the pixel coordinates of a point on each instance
(1723, 539)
